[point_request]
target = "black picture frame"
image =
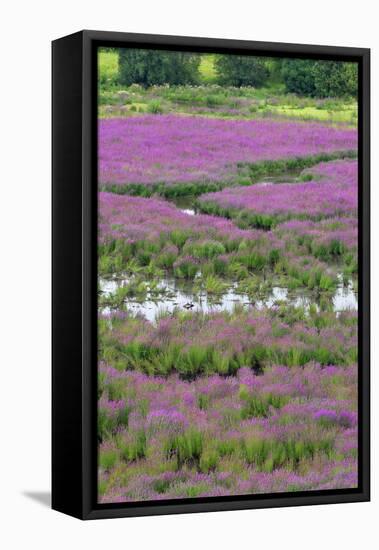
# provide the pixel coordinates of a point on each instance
(74, 312)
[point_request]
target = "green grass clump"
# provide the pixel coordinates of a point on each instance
(268, 455)
(227, 447)
(203, 401)
(166, 258)
(107, 425)
(206, 249)
(115, 390)
(186, 268)
(107, 459)
(195, 490)
(101, 382)
(102, 487)
(213, 285)
(253, 261)
(155, 107)
(193, 362)
(330, 251)
(170, 352)
(179, 238)
(208, 461)
(135, 450)
(187, 448)
(136, 288)
(255, 451)
(259, 405)
(161, 485)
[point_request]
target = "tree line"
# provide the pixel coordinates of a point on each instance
(315, 78)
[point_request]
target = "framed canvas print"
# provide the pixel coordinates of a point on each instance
(210, 275)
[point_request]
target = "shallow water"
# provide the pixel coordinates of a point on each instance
(182, 296)
(185, 204)
(178, 295)
(285, 177)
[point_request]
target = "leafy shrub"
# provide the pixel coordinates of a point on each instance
(155, 67)
(241, 70)
(298, 76)
(335, 79)
(213, 101)
(320, 78)
(155, 108)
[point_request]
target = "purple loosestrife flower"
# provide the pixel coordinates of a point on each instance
(338, 171)
(170, 417)
(315, 199)
(171, 149)
(326, 415)
(136, 219)
(112, 407)
(348, 418)
(322, 232)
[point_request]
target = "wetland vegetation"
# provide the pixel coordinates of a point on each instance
(228, 275)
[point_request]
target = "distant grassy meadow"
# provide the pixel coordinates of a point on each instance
(228, 269)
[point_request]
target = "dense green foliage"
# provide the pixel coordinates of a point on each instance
(320, 78)
(154, 67)
(239, 70)
(305, 77)
(298, 76)
(335, 79)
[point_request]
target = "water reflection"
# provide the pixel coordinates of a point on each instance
(185, 204)
(177, 295)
